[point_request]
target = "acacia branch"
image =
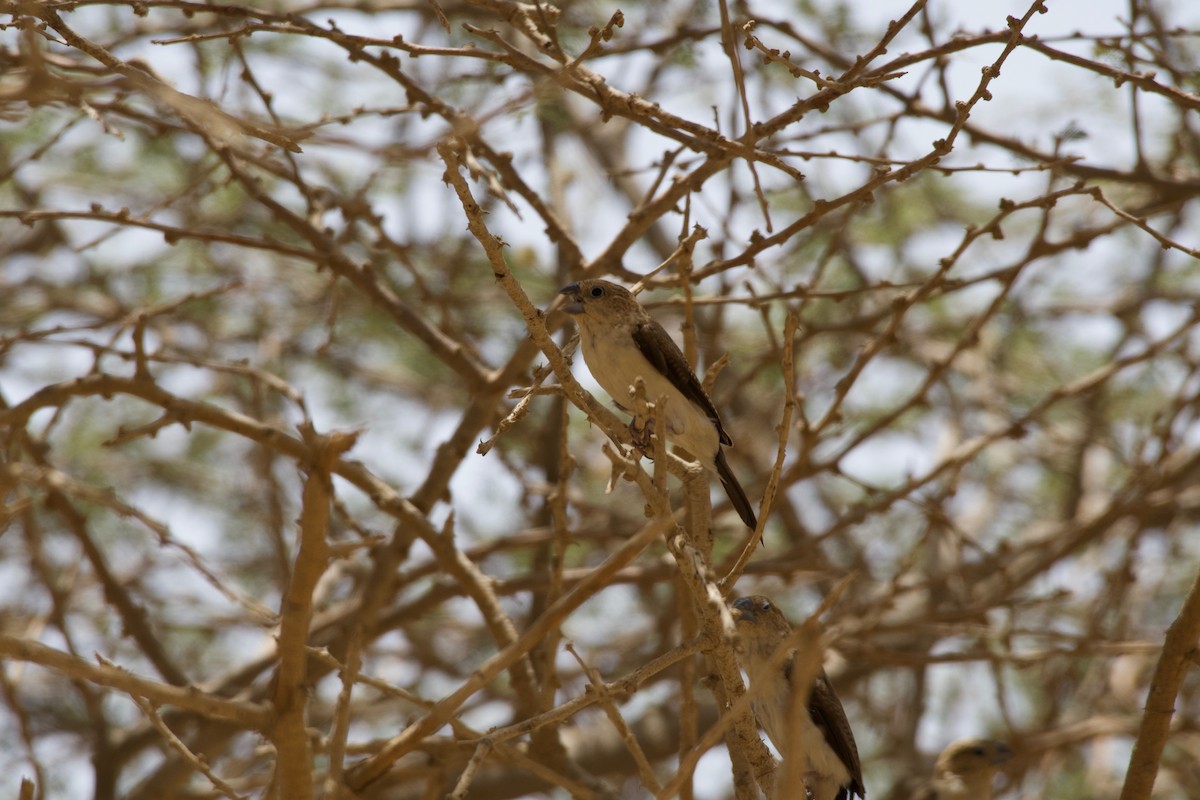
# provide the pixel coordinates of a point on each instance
(243, 714)
(1179, 650)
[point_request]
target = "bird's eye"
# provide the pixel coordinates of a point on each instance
(597, 291)
(977, 750)
(766, 606)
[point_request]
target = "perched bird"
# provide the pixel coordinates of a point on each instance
(964, 771)
(621, 342)
(833, 770)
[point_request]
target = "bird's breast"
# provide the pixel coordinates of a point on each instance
(616, 363)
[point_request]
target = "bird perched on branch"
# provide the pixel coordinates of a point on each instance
(824, 738)
(621, 342)
(964, 771)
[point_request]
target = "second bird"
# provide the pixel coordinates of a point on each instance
(964, 771)
(824, 739)
(621, 342)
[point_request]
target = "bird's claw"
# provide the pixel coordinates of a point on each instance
(642, 438)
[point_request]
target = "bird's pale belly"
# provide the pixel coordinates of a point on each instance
(616, 367)
(772, 711)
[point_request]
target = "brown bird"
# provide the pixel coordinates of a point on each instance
(620, 343)
(964, 771)
(833, 771)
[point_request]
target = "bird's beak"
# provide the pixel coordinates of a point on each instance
(742, 611)
(571, 290)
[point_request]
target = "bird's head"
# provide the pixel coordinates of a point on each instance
(968, 756)
(760, 624)
(600, 301)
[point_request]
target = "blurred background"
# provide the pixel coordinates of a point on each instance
(222, 226)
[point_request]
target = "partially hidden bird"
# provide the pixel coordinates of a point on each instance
(832, 770)
(621, 342)
(965, 771)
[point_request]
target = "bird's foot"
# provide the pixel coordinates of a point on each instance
(642, 437)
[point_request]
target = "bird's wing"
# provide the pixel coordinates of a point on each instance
(664, 355)
(827, 714)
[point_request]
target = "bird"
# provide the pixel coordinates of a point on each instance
(622, 342)
(964, 771)
(833, 770)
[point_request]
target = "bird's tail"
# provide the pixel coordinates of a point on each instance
(737, 496)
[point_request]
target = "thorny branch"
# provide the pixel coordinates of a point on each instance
(961, 361)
